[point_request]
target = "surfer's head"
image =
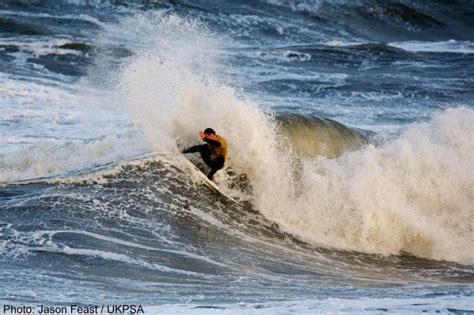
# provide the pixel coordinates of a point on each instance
(209, 131)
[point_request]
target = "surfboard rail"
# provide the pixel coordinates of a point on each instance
(209, 183)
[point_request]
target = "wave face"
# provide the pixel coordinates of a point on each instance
(351, 140)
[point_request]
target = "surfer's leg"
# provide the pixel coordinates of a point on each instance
(205, 154)
(216, 165)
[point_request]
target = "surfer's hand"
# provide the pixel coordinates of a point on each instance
(201, 134)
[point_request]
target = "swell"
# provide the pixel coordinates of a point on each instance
(370, 20)
(386, 21)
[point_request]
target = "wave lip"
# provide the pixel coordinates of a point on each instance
(315, 137)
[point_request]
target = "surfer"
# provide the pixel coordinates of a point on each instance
(213, 153)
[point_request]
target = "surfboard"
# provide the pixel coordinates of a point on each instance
(207, 182)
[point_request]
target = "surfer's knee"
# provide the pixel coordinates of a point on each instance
(206, 154)
(216, 164)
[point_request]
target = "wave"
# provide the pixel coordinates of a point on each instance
(450, 46)
(46, 159)
(80, 17)
(339, 20)
(320, 181)
(9, 25)
(410, 195)
(448, 304)
(36, 48)
(380, 20)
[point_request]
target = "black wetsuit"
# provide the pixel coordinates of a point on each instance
(205, 151)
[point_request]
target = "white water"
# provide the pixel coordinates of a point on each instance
(54, 128)
(414, 194)
(444, 305)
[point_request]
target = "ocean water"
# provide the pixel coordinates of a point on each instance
(351, 140)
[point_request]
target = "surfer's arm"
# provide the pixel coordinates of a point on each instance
(212, 142)
(196, 148)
